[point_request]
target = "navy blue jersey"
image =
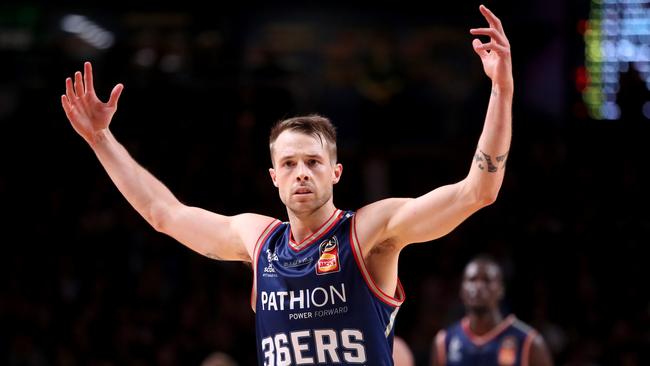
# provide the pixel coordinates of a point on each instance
(315, 301)
(508, 344)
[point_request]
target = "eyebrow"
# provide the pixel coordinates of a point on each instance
(294, 155)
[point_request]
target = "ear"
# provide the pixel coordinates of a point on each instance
(272, 173)
(336, 176)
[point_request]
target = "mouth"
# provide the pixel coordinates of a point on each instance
(475, 295)
(302, 191)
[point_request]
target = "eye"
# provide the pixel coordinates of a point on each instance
(288, 163)
(312, 162)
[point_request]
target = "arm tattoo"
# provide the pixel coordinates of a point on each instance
(503, 158)
(481, 157)
(494, 93)
(213, 256)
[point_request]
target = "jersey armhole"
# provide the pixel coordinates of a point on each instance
(394, 301)
(256, 254)
(528, 343)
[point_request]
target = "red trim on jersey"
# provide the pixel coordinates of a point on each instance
(525, 354)
(256, 254)
(441, 351)
(480, 340)
(322, 230)
(370, 282)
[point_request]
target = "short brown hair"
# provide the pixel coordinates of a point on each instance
(313, 124)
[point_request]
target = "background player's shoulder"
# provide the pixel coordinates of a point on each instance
(522, 326)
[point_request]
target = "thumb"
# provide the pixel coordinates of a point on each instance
(476, 43)
(115, 95)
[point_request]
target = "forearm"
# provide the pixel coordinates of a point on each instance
(488, 166)
(140, 188)
(497, 129)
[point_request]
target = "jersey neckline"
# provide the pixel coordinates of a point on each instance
(480, 340)
(313, 237)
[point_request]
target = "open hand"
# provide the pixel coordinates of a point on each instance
(495, 54)
(87, 114)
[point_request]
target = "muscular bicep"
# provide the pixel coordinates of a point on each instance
(434, 214)
(213, 235)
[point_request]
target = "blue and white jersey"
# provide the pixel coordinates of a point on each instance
(508, 344)
(315, 301)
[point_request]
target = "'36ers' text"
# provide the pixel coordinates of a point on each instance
(331, 347)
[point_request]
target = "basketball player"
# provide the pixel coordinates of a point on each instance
(325, 284)
(484, 336)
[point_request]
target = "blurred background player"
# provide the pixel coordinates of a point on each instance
(484, 336)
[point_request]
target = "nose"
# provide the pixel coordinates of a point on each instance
(302, 173)
(475, 286)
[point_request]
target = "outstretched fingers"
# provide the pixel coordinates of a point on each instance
(69, 90)
(88, 78)
(115, 95)
(498, 40)
(491, 18)
(478, 49)
(78, 85)
(492, 33)
(493, 46)
(66, 104)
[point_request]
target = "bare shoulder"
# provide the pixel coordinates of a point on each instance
(539, 352)
(378, 214)
(372, 221)
(438, 348)
(250, 227)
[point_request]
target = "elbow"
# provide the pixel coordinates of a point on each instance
(482, 195)
(480, 191)
(487, 198)
(159, 217)
(481, 198)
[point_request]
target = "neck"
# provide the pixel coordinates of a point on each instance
(304, 224)
(483, 322)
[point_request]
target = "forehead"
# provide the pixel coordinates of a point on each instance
(297, 143)
(482, 269)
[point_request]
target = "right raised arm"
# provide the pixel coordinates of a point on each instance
(210, 234)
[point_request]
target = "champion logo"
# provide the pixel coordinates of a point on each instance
(328, 258)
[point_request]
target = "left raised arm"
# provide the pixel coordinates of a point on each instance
(441, 210)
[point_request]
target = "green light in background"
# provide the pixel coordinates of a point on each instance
(616, 37)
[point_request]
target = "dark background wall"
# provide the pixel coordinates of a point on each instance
(85, 281)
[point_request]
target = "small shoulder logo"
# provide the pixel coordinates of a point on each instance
(269, 270)
(508, 352)
(328, 258)
(455, 354)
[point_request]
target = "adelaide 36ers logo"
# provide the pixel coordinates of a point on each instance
(508, 352)
(328, 259)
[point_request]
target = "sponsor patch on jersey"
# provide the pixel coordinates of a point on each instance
(508, 352)
(299, 262)
(328, 259)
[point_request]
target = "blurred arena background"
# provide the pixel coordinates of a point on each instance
(85, 281)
